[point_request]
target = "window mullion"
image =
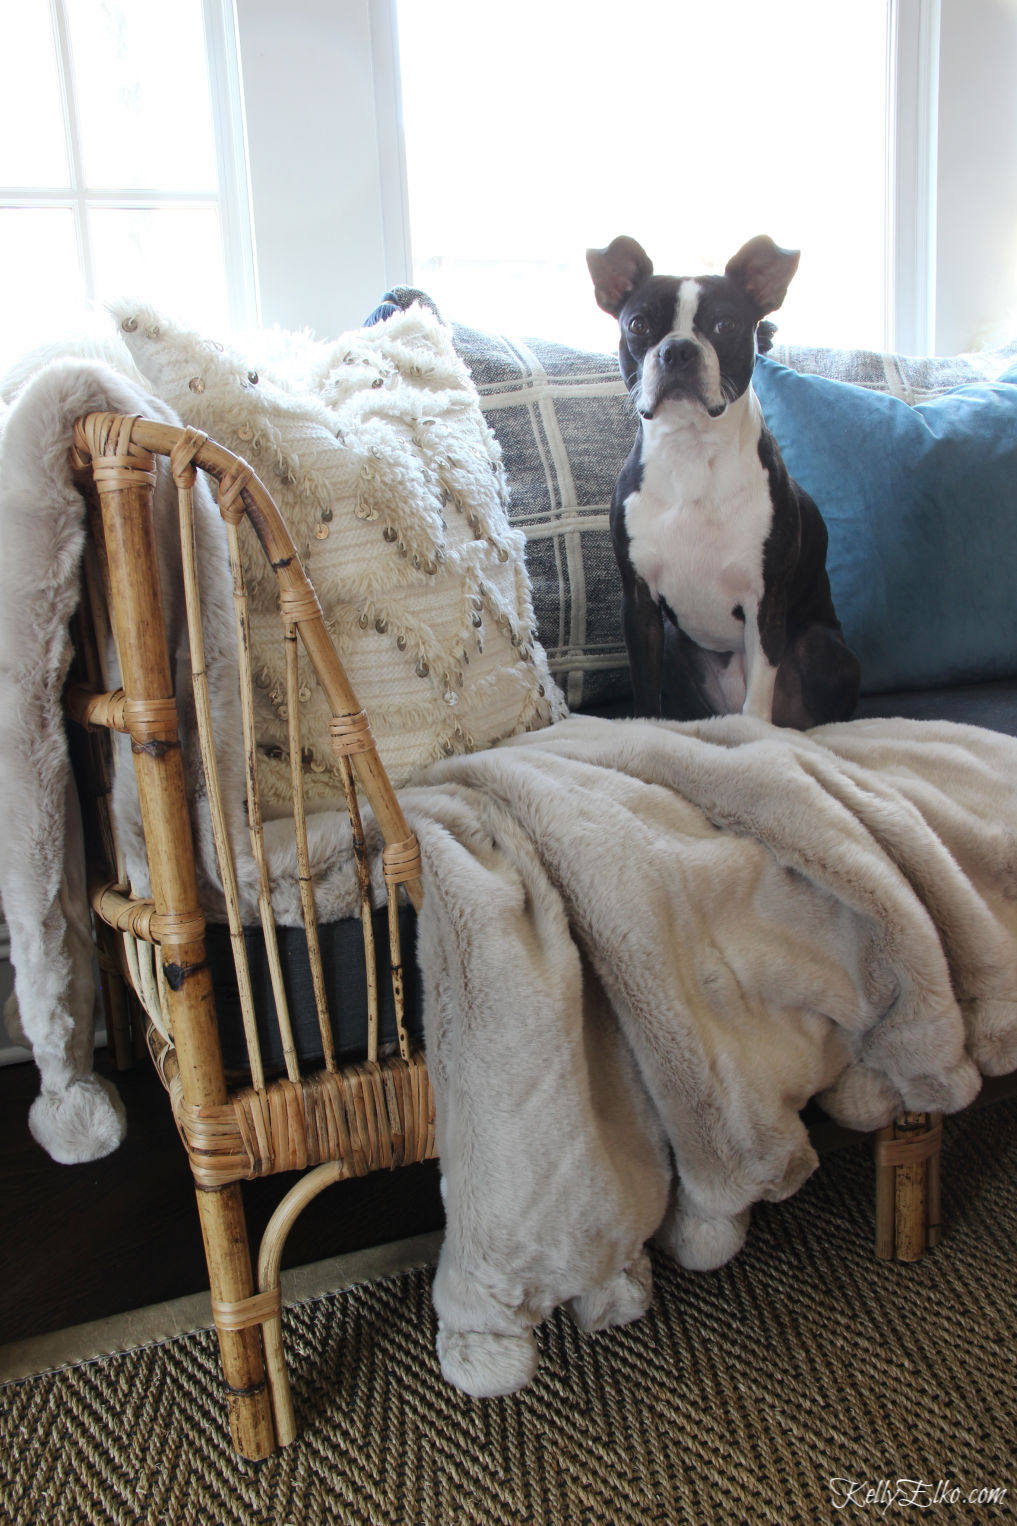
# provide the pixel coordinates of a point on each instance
(913, 192)
(226, 94)
(395, 206)
(75, 169)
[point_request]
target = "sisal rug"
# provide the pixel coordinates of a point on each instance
(804, 1382)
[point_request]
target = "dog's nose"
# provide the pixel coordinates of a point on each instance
(677, 354)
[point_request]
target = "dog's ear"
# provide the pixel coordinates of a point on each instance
(764, 271)
(617, 271)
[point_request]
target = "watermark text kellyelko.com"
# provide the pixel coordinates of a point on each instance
(909, 1494)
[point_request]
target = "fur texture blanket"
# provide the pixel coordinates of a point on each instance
(646, 946)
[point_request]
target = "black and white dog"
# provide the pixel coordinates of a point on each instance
(726, 601)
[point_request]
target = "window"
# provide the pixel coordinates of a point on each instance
(120, 170)
(692, 132)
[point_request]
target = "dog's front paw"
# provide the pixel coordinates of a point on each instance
(618, 1301)
(486, 1364)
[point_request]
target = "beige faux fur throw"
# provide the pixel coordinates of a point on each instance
(646, 946)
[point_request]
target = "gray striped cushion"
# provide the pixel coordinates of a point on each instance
(564, 423)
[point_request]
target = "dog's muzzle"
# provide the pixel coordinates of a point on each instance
(676, 371)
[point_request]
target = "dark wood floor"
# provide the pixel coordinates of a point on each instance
(83, 1242)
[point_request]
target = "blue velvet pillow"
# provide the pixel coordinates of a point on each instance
(921, 506)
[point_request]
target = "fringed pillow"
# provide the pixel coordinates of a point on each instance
(377, 453)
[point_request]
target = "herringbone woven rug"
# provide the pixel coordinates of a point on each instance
(740, 1397)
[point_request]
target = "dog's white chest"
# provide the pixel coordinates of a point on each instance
(697, 528)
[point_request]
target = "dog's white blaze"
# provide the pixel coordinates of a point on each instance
(685, 309)
(698, 523)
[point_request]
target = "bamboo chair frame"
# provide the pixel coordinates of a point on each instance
(340, 1121)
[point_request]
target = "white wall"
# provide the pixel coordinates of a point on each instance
(976, 269)
(319, 126)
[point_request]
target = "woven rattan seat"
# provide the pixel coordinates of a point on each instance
(338, 1120)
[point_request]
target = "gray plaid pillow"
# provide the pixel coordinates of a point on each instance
(914, 379)
(564, 423)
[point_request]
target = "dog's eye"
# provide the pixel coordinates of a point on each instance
(724, 326)
(638, 325)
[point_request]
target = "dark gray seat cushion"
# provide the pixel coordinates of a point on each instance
(342, 957)
(992, 704)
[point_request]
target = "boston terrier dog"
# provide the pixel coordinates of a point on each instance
(726, 601)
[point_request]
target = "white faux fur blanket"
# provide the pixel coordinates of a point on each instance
(646, 946)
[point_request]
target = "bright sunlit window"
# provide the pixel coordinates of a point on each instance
(536, 130)
(109, 168)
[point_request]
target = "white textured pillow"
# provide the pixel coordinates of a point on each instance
(377, 453)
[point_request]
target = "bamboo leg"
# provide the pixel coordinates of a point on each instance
(934, 1228)
(230, 1275)
(911, 1206)
(907, 1186)
(886, 1204)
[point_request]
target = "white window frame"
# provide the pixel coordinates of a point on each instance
(227, 97)
(231, 198)
(913, 176)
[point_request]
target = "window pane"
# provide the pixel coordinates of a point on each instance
(40, 280)
(142, 94)
(170, 257)
(723, 122)
(32, 147)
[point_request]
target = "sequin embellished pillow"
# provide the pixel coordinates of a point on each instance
(378, 456)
